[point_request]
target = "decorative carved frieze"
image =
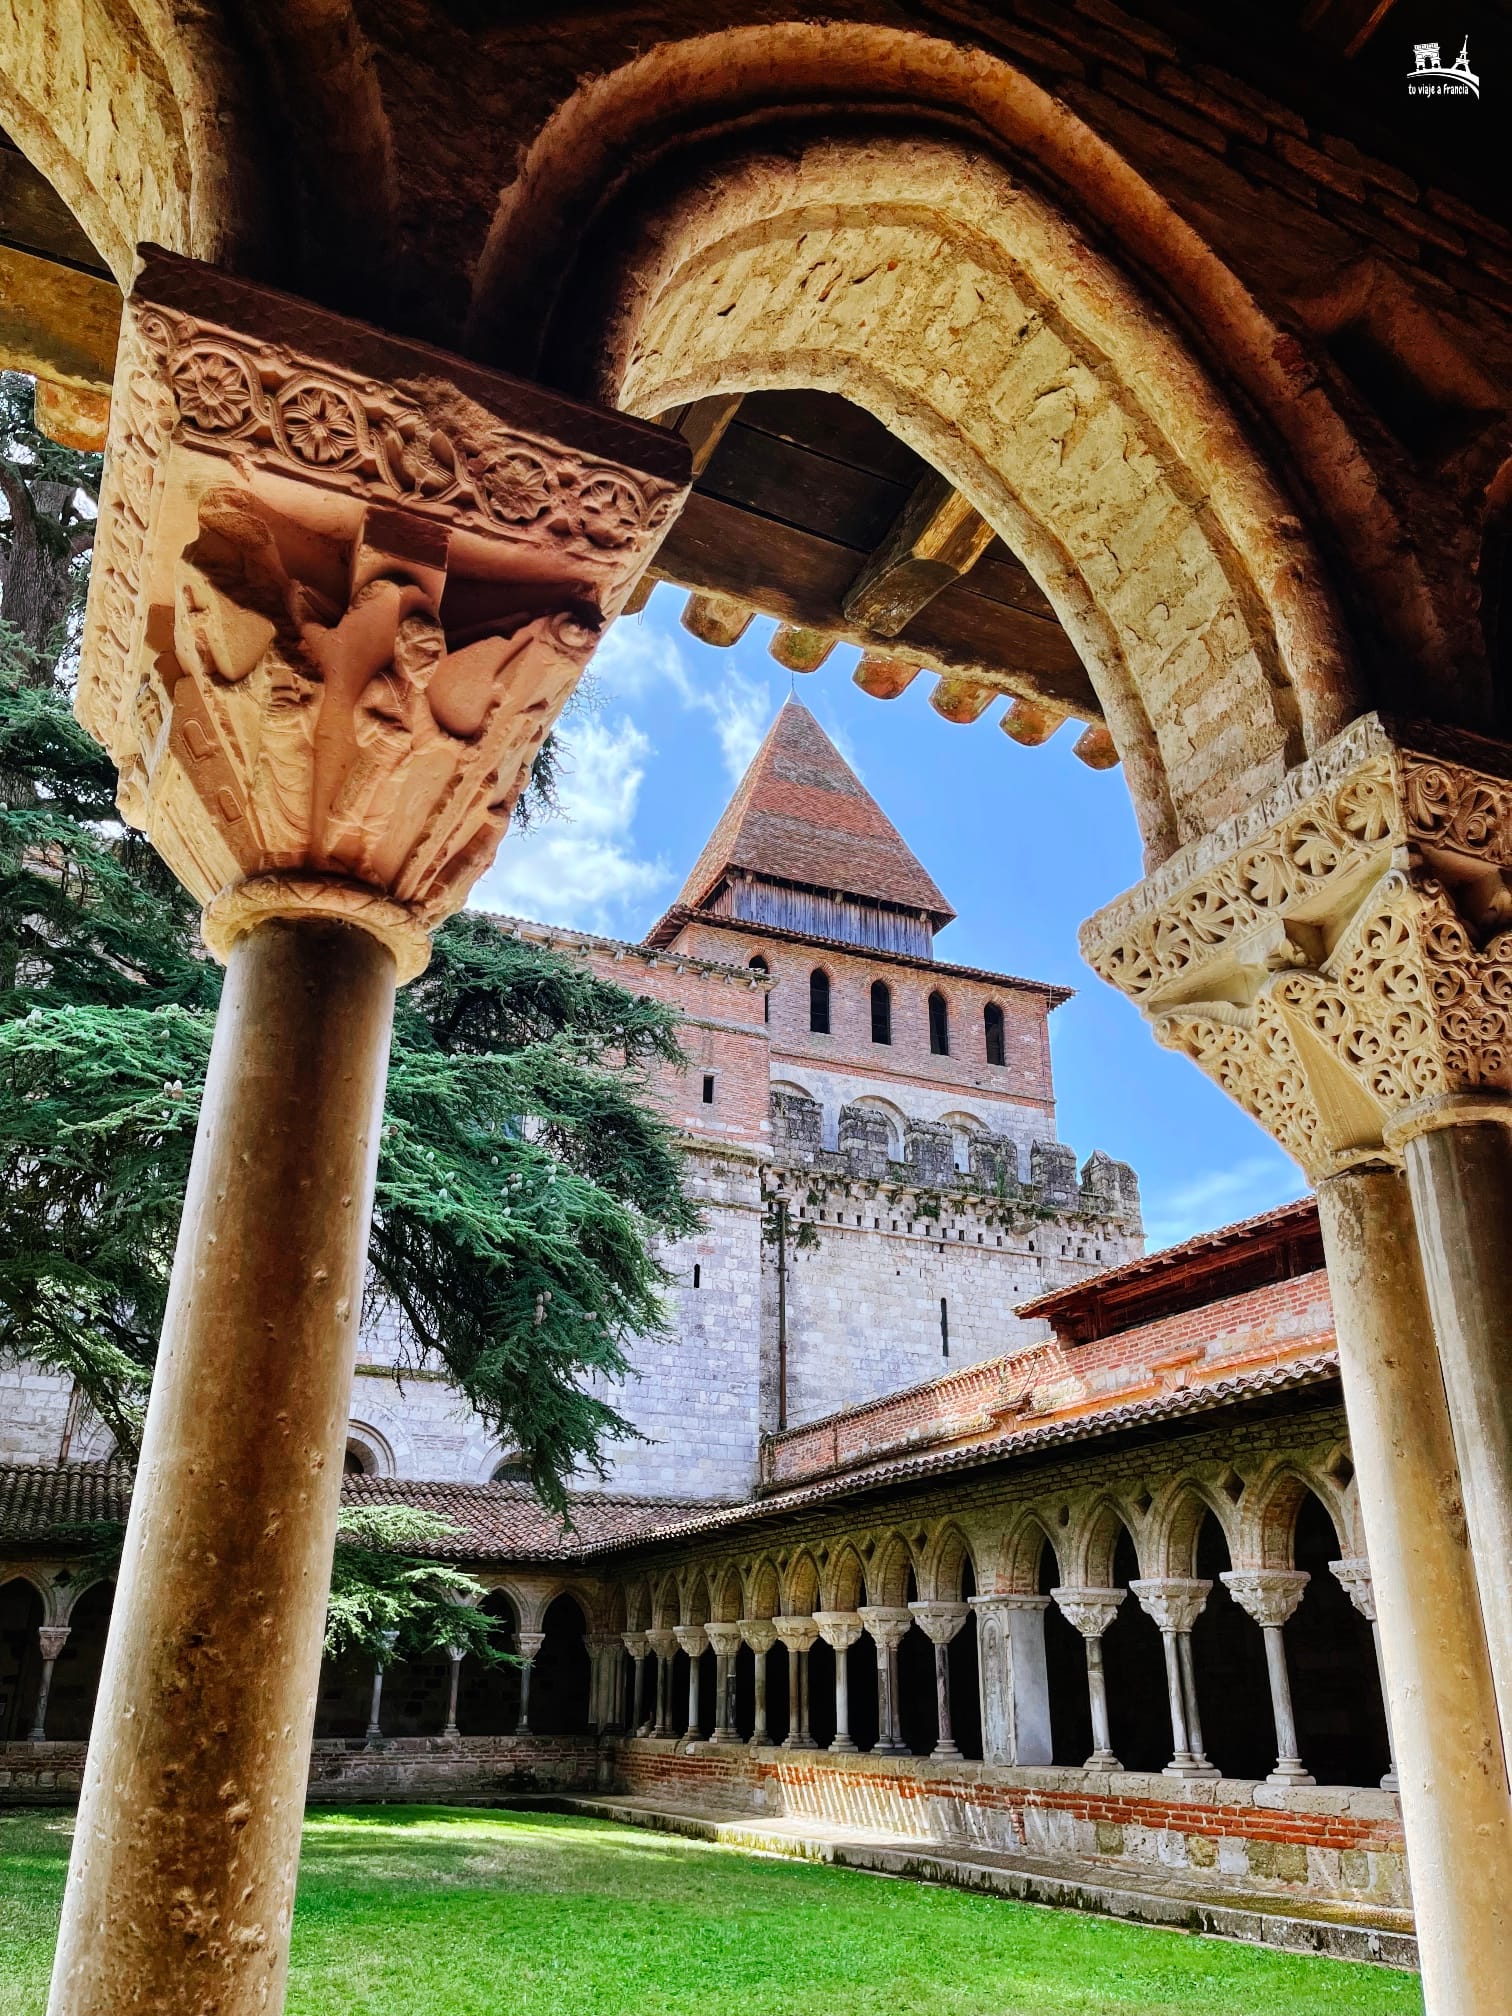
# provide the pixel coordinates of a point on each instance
(1339, 956)
(343, 584)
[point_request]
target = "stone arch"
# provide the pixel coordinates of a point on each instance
(369, 1451)
(57, 1598)
(920, 279)
(1093, 1542)
(76, 1677)
(637, 1598)
(1267, 1530)
(763, 1591)
(695, 1598)
(800, 1586)
(893, 1115)
(964, 1129)
(724, 1593)
(666, 1603)
(888, 1570)
(843, 1584)
(1022, 1554)
(942, 1572)
(1176, 1522)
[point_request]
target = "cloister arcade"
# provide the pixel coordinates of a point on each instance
(1103, 327)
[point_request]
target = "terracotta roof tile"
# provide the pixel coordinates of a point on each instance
(801, 814)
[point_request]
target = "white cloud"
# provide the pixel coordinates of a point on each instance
(582, 869)
(1220, 1197)
(639, 654)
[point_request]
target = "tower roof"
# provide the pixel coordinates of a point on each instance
(801, 815)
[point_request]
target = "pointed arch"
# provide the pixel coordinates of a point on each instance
(1175, 1522)
(888, 1570)
(1094, 1542)
(800, 1586)
(763, 1591)
(943, 1572)
(1021, 1558)
(843, 1584)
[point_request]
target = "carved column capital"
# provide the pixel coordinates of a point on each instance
(1090, 1610)
(693, 1639)
(940, 1622)
(1174, 1601)
(663, 1643)
(888, 1624)
(797, 1633)
(760, 1633)
(343, 584)
(529, 1643)
(1269, 1595)
(1354, 1578)
(838, 1628)
(1337, 957)
(51, 1638)
(725, 1638)
(636, 1643)
(596, 1643)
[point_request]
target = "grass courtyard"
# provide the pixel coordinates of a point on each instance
(428, 1911)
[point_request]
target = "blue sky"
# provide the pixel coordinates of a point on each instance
(1024, 842)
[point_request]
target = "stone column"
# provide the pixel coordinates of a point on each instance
(455, 1655)
(940, 1622)
(726, 1640)
(1011, 1674)
(528, 1644)
(1354, 1577)
(760, 1633)
(600, 1645)
(1334, 958)
(889, 1627)
(664, 1645)
(1092, 1611)
(637, 1644)
(327, 761)
(51, 1638)
(840, 1629)
(1458, 1154)
(1175, 1602)
(1270, 1595)
(798, 1634)
(374, 1728)
(694, 1640)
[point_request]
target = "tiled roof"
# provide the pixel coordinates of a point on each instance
(801, 814)
(38, 1499)
(507, 1522)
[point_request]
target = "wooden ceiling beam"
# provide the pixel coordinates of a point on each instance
(936, 538)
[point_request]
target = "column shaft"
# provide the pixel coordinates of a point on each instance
(1460, 1177)
(843, 1739)
(945, 1743)
(805, 1733)
(1193, 1714)
(220, 1615)
(1288, 1754)
(638, 1695)
(451, 1728)
(1442, 1703)
(759, 1732)
(522, 1725)
(1097, 1697)
(1181, 1746)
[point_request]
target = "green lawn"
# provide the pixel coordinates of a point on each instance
(427, 1911)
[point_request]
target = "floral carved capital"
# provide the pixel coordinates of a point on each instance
(760, 1633)
(940, 1622)
(1269, 1595)
(1090, 1611)
(343, 585)
(1340, 956)
(1174, 1601)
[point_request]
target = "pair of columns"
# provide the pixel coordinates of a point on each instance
(51, 1638)
(1336, 958)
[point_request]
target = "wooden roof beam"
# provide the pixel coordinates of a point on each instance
(936, 538)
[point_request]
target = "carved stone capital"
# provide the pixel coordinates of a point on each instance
(940, 1622)
(529, 1643)
(596, 1643)
(1269, 1595)
(797, 1633)
(1090, 1610)
(663, 1643)
(888, 1624)
(342, 586)
(636, 1643)
(1339, 956)
(693, 1639)
(838, 1628)
(1353, 1576)
(760, 1633)
(1174, 1601)
(51, 1638)
(725, 1638)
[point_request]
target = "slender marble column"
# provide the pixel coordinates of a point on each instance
(1440, 1694)
(51, 1638)
(1354, 1577)
(636, 1644)
(1270, 1595)
(1175, 1602)
(455, 1655)
(940, 1622)
(528, 1644)
(1092, 1611)
(760, 1633)
(694, 1640)
(798, 1634)
(664, 1645)
(1459, 1170)
(374, 1728)
(726, 1640)
(888, 1627)
(840, 1629)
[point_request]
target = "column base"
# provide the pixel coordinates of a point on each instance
(1191, 1767)
(891, 1750)
(691, 1736)
(798, 1743)
(844, 1745)
(1102, 1760)
(1291, 1773)
(760, 1740)
(946, 1753)
(727, 1739)
(1391, 1782)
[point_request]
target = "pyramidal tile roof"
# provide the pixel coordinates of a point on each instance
(802, 815)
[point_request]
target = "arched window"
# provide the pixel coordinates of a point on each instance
(513, 1470)
(939, 1026)
(819, 992)
(759, 965)
(992, 1023)
(881, 999)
